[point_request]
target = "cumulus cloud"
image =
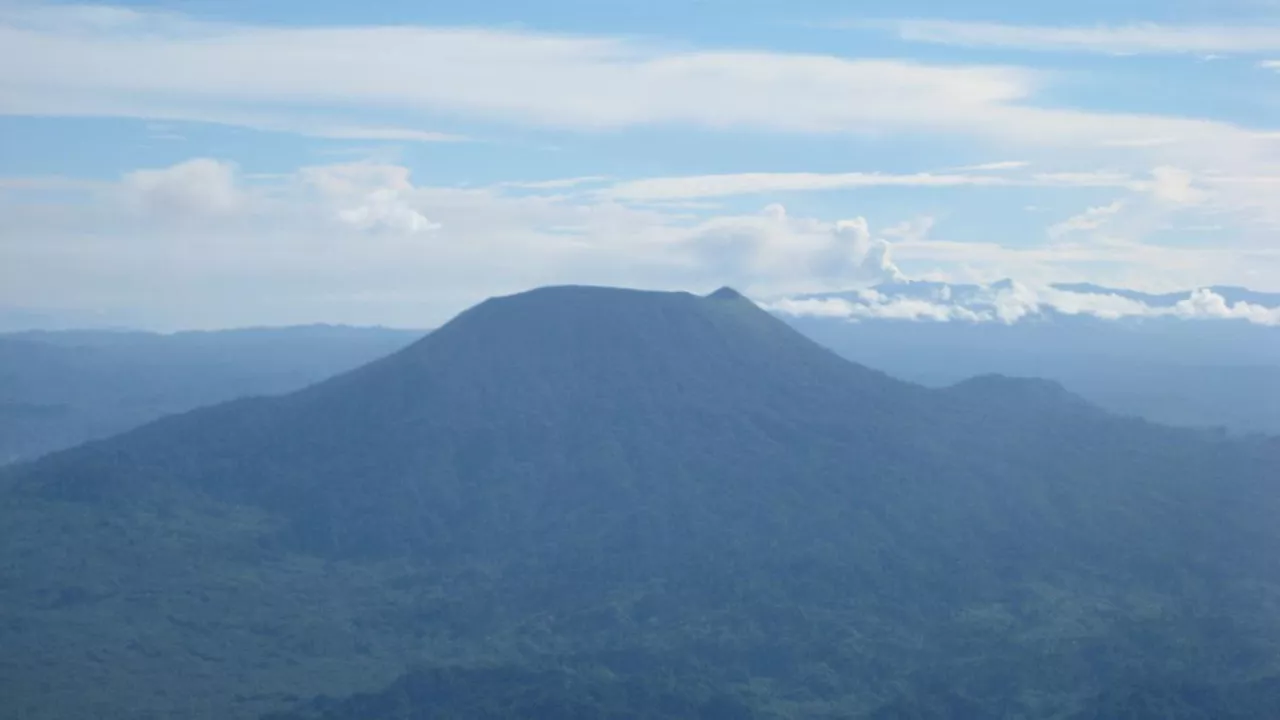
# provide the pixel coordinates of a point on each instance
(196, 188)
(370, 196)
(385, 210)
(774, 249)
(1205, 303)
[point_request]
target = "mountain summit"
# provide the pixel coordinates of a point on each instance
(600, 477)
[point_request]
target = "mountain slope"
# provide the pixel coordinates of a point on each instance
(636, 484)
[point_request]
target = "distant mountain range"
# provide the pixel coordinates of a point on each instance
(59, 389)
(586, 502)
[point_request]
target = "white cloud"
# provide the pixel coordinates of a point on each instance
(710, 186)
(812, 307)
(1012, 302)
(384, 209)
(68, 61)
(370, 196)
(1089, 220)
(1090, 179)
(1270, 65)
(73, 67)
(360, 132)
(299, 248)
(881, 309)
(1204, 303)
(993, 166)
(193, 189)
(915, 230)
(1109, 261)
(1141, 142)
(1168, 183)
(555, 184)
(1176, 186)
(346, 180)
(775, 252)
(343, 243)
(1145, 38)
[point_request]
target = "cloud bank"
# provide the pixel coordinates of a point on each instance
(1010, 302)
(364, 242)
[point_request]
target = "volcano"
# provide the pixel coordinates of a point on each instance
(635, 486)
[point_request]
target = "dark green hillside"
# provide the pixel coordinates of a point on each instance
(595, 493)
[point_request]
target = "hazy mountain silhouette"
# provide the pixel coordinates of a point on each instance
(637, 486)
(1167, 370)
(60, 389)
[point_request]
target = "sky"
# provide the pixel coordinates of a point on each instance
(217, 163)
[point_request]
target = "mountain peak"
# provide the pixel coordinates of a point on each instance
(1037, 395)
(599, 321)
(726, 293)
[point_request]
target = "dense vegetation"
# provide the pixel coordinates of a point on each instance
(594, 503)
(59, 389)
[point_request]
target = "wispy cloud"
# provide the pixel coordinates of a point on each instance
(1145, 38)
(1166, 181)
(992, 166)
(1083, 179)
(344, 82)
(556, 183)
(711, 186)
(1089, 220)
(359, 132)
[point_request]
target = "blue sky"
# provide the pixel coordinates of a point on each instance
(208, 163)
